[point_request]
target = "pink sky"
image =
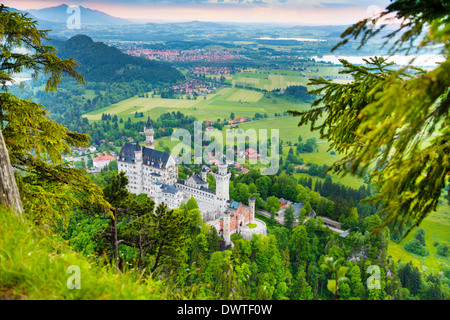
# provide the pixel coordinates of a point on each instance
(293, 15)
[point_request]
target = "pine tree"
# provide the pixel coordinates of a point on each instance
(396, 118)
(34, 142)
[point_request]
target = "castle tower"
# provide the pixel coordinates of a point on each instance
(251, 204)
(149, 134)
(204, 173)
(137, 179)
(222, 185)
(138, 153)
(227, 227)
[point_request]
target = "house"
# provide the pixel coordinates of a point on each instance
(102, 161)
(206, 168)
(251, 154)
(284, 202)
(208, 122)
(245, 170)
(210, 129)
(214, 162)
(92, 149)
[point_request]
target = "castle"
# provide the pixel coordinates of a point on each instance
(155, 173)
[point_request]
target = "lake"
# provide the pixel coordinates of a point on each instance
(424, 60)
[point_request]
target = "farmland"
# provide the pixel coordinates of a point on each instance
(242, 102)
(268, 81)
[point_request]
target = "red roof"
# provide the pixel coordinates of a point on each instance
(104, 158)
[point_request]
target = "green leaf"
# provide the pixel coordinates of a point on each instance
(341, 272)
(332, 286)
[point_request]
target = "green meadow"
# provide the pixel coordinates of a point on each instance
(269, 81)
(437, 230)
(241, 102)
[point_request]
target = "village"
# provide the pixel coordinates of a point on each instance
(176, 55)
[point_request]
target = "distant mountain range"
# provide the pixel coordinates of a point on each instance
(101, 63)
(59, 14)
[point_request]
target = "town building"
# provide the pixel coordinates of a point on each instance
(102, 162)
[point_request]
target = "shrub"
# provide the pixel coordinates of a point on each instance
(442, 250)
(414, 246)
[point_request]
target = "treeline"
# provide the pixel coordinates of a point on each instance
(297, 92)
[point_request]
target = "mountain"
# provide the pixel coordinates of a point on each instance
(43, 24)
(101, 63)
(88, 16)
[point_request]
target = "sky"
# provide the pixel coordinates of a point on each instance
(298, 12)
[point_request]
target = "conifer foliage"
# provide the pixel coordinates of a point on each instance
(48, 187)
(391, 122)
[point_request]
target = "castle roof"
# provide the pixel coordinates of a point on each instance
(168, 188)
(234, 205)
(202, 188)
(197, 179)
(150, 157)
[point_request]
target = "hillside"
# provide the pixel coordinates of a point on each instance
(34, 265)
(101, 63)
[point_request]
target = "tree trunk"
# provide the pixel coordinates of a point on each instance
(9, 193)
(157, 257)
(115, 241)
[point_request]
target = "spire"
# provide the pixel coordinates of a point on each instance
(149, 124)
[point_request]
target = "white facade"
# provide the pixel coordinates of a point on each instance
(101, 162)
(155, 174)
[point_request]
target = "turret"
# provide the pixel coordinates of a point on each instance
(222, 165)
(222, 184)
(227, 227)
(251, 204)
(149, 134)
(138, 153)
(204, 173)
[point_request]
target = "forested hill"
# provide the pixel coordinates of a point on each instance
(101, 63)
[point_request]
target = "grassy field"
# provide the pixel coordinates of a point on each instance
(269, 81)
(241, 102)
(246, 96)
(437, 229)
